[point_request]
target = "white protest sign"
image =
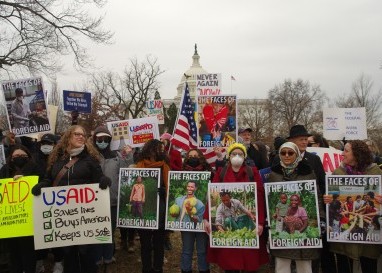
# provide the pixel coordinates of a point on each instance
(348, 123)
(331, 158)
(208, 84)
(119, 134)
(142, 130)
(155, 109)
(72, 215)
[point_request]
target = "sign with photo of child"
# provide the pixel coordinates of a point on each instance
(138, 200)
(293, 215)
(233, 215)
(354, 216)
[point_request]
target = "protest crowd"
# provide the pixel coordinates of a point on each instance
(251, 209)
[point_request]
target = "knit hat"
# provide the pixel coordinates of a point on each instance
(165, 136)
(236, 146)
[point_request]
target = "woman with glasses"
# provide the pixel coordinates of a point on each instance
(234, 260)
(85, 169)
(292, 168)
(21, 249)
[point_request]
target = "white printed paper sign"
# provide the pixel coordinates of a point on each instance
(233, 215)
(72, 215)
(142, 130)
(292, 209)
(354, 216)
(348, 123)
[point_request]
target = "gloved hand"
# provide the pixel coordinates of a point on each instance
(162, 192)
(104, 182)
(36, 190)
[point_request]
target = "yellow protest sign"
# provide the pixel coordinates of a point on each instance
(16, 204)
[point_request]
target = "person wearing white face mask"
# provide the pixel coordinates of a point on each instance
(235, 171)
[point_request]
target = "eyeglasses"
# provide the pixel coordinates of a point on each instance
(103, 139)
(76, 134)
(235, 154)
(310, 144)
(284, 153)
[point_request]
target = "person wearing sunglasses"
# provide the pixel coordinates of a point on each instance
(292, 168)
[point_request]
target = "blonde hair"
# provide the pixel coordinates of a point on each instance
(60, 150)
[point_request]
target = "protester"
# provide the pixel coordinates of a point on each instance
(232, 259)
(374, 151)
(22, 254)
(293, 168)
(317, 140)
(111, 162)
(81, 160)
(194, 161)
(46, 146)
(357, 160)
(153, 155)
(258, 156)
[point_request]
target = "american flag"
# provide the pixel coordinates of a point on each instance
(185, 135)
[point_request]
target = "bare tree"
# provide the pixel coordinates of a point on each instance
(125, 96)
(34, 33)
(296, 103)
(257, 114)
(363, 95)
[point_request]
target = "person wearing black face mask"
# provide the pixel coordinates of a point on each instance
(194, 161)
(20, 163)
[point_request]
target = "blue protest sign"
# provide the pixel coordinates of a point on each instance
(77, 101)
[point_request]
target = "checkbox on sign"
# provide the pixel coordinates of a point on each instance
(47, 213)
(48, 238)
(47, 225)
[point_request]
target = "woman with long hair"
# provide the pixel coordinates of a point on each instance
(357, 160)
(153, 155)
(81, 160)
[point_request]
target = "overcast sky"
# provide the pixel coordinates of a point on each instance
(260, 43)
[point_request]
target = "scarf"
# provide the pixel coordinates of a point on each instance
(352, 171)
(289, 169)
(156, 164)
(76, 151)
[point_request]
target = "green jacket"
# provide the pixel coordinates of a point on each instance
(354, 250)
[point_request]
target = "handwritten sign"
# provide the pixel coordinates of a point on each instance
(348, 123)
(354, 216)
(292, 210)
(77, 101)
(186, 200)
(154, 108)
(16, 218)
(72, 215)
(208, 84)
(233, 227)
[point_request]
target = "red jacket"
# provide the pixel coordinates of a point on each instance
(235, 258)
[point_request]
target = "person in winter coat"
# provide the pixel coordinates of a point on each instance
(231, 259)
(292, 168)
(194, 162)
(153, 155)
(21, 249)
(86, 169)
(111, 162)
(357, 160)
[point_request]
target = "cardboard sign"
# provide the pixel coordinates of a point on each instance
(72, 215)
(16, 202)
(354, 216)
(209, 84)
(77, 101)
(234, 226)
(348, 123)
(154, 108)
(217, 120)
(293, 217)
(186, 200)
(138, 200)
(26, 106)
